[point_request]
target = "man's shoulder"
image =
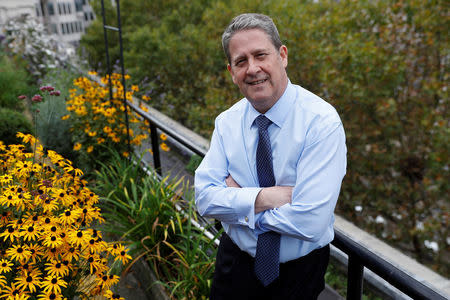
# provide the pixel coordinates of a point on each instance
(233, 114)
(315, 106)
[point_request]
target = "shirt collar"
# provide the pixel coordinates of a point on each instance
(278, 112)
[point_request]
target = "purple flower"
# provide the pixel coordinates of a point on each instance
(22, 97)
(46, 88)
(36, 98)
(55, 93)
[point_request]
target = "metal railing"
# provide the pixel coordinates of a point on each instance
(359, 257)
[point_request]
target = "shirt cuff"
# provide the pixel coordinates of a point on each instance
(246, 206)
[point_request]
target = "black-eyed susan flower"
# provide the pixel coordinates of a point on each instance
(28, 281)
(123, 256)
(78, 237)
(52, 241)
(5, 266)
(50, 296)
(164, 147)
(37, 252)
(18, 253)
(53, 284)
(56, 268)
(69, 216)
(112, 296)
(77, 146)
(12, 292)
(10, 233)
(30, 233)
(106, 281)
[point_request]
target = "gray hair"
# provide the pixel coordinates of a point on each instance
(250, 21)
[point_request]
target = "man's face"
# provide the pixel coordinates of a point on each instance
(257, 68)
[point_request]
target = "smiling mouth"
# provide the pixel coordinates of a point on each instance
(257, 82)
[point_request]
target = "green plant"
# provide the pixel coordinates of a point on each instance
(14, 81)
(139, 207)
(142, 209)
(12, 122)
(53, 132)
(188, 270)
(193, 163)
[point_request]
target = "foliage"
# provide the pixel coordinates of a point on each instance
(142, 209)
(13, 82)
(193, 163)
(27, 38)
(97, 121)
(382, 64)
(12, 122)
(52, 131)
(49, 249)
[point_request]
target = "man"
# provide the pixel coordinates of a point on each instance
(272, 174)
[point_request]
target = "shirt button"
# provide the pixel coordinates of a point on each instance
(246, 219)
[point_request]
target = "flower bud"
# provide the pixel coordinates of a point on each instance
(37, 98)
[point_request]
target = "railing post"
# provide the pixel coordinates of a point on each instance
(355, 278)
(155, 148)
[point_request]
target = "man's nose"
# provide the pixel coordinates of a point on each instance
(253, 67)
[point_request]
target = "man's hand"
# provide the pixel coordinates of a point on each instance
(269, 197)
(272, 197)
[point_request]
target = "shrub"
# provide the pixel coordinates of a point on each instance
(49, 248)
(142, 209)
(12, 122)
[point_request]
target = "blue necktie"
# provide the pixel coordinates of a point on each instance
(267, 258)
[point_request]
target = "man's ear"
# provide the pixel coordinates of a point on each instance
(284, 55)
(231, 73)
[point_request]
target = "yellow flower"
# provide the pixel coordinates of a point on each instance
(163, 137)
(77, 146)
(123, 256)
(164, 147)
(65, 117)
(126, 154)
(135, 88)
(5, 266)
(50, 296)
(18, 253)
(28, 280)
(53, 284)
(92, 133)
(90, 149)
(92, 73)
(57, 268)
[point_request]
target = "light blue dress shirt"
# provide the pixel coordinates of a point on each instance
(309, 153)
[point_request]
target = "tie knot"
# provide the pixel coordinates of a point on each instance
(262, 122)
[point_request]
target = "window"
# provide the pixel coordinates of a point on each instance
(78, 5)
(67, 27)
(63, 29)
(59, 8)
(69, 8)
(53, 28)
(84, 2)
(85, 16)
(38, 12)
(51, 9)
(71, 28)
(92, 15)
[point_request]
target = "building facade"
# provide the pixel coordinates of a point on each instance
(67, 20)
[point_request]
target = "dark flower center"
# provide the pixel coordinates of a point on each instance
(54, 280)
(29, 279)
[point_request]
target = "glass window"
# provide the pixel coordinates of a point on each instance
(69, 8)
(78, 5)
(92, 16)
(38, 12)
(51, 9)
(85, 16)
(63, 29)
(71, 27)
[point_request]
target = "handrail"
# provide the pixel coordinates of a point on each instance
(359, 257)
